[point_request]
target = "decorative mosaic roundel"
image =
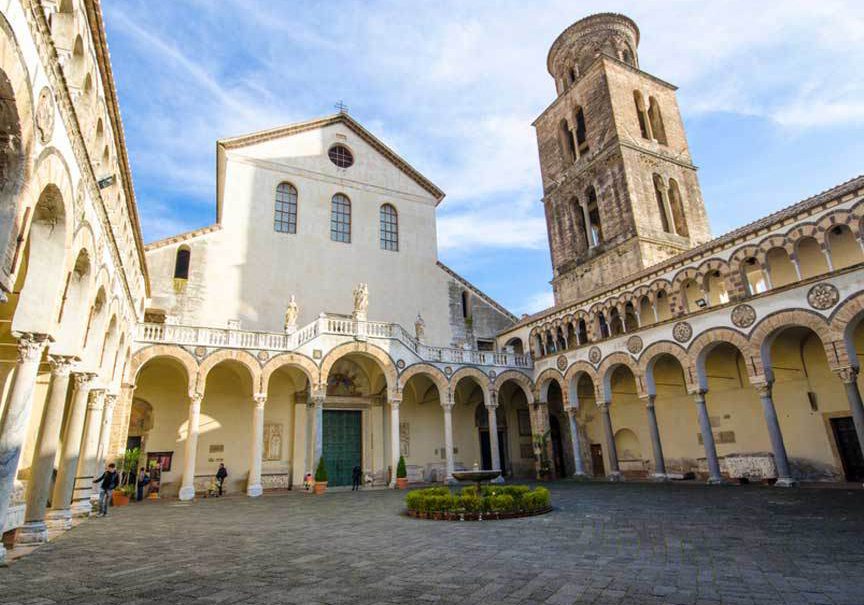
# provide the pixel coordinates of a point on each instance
(45, 116)
(594, 355)
(263, 355)
(682, 332)
(400, 364)
(823, 296)
(448, 371)
(200, 351)
(743, 316)
(561, 362)
(634, 344)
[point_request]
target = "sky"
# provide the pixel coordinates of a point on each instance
(772, 96)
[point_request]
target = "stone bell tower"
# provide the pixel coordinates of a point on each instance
(619, 187)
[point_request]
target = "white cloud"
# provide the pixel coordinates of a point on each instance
(536, 303)
(490, 229)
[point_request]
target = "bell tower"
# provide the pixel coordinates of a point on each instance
(619, 187)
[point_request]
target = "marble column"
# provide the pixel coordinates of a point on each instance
(84, 495)
(849, 376)
(254, 487)
(714, 476)
(309, 446)
(34, 530)
(614, 473)
(60, 515)
(447, 406)
(394, 439)
(781, 460)
(105, 431)
(659, 473)
(17, 415)
(318, 449)
(190, 454)
(492, 413)
(577, 444)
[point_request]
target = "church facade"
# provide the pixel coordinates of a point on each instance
(314, 320)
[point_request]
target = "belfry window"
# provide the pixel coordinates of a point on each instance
(581, 138)
(642, 114)
(596, 231)
(568, 143)
(662, 204)
(181, 263)
(285, 219)
(389, 228)
(340, 219)
(656, 120)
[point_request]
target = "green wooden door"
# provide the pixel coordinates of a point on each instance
(341, 441)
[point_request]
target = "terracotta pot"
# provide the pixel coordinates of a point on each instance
(320, 488)
(10, 537)
(437, 515)
(118, 499)
(402, 483)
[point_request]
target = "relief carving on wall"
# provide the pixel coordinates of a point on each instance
(272, 442)
(823, 296)
(45, 116)
(682, 332)
(743, 316)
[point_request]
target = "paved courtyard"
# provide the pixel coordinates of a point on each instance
(622, 544)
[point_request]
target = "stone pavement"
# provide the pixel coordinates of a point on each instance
(606, 543)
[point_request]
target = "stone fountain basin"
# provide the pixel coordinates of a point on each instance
(475, 476)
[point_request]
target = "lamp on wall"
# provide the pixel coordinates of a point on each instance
(701, 303)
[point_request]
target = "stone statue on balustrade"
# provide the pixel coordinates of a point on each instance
(419, 328)
(361, 301)
(292, 310)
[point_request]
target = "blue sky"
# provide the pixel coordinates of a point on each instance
(772, 96)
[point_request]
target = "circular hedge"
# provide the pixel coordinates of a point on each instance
(493, 502)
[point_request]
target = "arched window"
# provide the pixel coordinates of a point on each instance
(181, 263)
(285, 217)
(656, 121)
(568, 143)
(662, 204)
(642, 114)
(340, 219)
(389, 228)
(581, 136)
(594, 215)
(677, 207)
(466, 304)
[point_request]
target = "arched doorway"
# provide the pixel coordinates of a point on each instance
(481, 419)
(556, 439)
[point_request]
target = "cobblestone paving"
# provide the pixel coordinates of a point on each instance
(605, 544)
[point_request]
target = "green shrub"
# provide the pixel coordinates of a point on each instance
(469, 491)
(401, 471)
(543, 498)
(436, 491)
(321, 472)
(416, 501)
(471, 504)
(503, 503)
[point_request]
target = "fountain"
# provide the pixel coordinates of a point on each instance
(477, 476)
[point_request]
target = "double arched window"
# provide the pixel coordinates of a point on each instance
(285, 214)
(389, 228)
(340, 218)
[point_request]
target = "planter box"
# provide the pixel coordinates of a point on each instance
(118, 499)
(402, 483)
(320, 488)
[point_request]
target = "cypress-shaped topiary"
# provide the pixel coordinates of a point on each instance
(321, 472)
(401, 471)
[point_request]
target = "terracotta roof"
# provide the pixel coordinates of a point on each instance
(182, 237)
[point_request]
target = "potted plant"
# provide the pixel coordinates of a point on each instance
(401, 474)
(122, 495)
(544, 469)
(126, 487)
(155, 477)
(321, 477)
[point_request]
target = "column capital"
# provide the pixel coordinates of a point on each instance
(603, 405)
(315, 401)
(195, 398)
(61, 365)
(447, 405)
(763, 387)
(110, 400)
(648, 399)
(847, 375)
(30, 345)
(96, 399)
(699, 395)
(260, 399)
(82, 379)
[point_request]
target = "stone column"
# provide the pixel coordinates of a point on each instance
(84, 495)
(309, 448)
(60, 515)
(448, 439)
(714, 477)
(784, 474)
(797, 264)
(577, 444)
(612, 452)
(849, 376)
(318, 449)
(254, 487)
(34, 530)
(17, 415)
(492, 412)
(187, 487)
(394, 438)
(105, 430)
(656, 446)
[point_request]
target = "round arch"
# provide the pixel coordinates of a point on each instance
(844, 320)
(703, 344)
(292, 360)
(655, 351)
(237, 355)
(367, 350)
(428, 370)
(519, 378)
(142, 356)
(762, 336)
(479, 377)
(572, 376)
(541, 385)
(604, 372)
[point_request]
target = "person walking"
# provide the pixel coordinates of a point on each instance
(108, 480)
(221, 474)
(356, 474)
(143, 480)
